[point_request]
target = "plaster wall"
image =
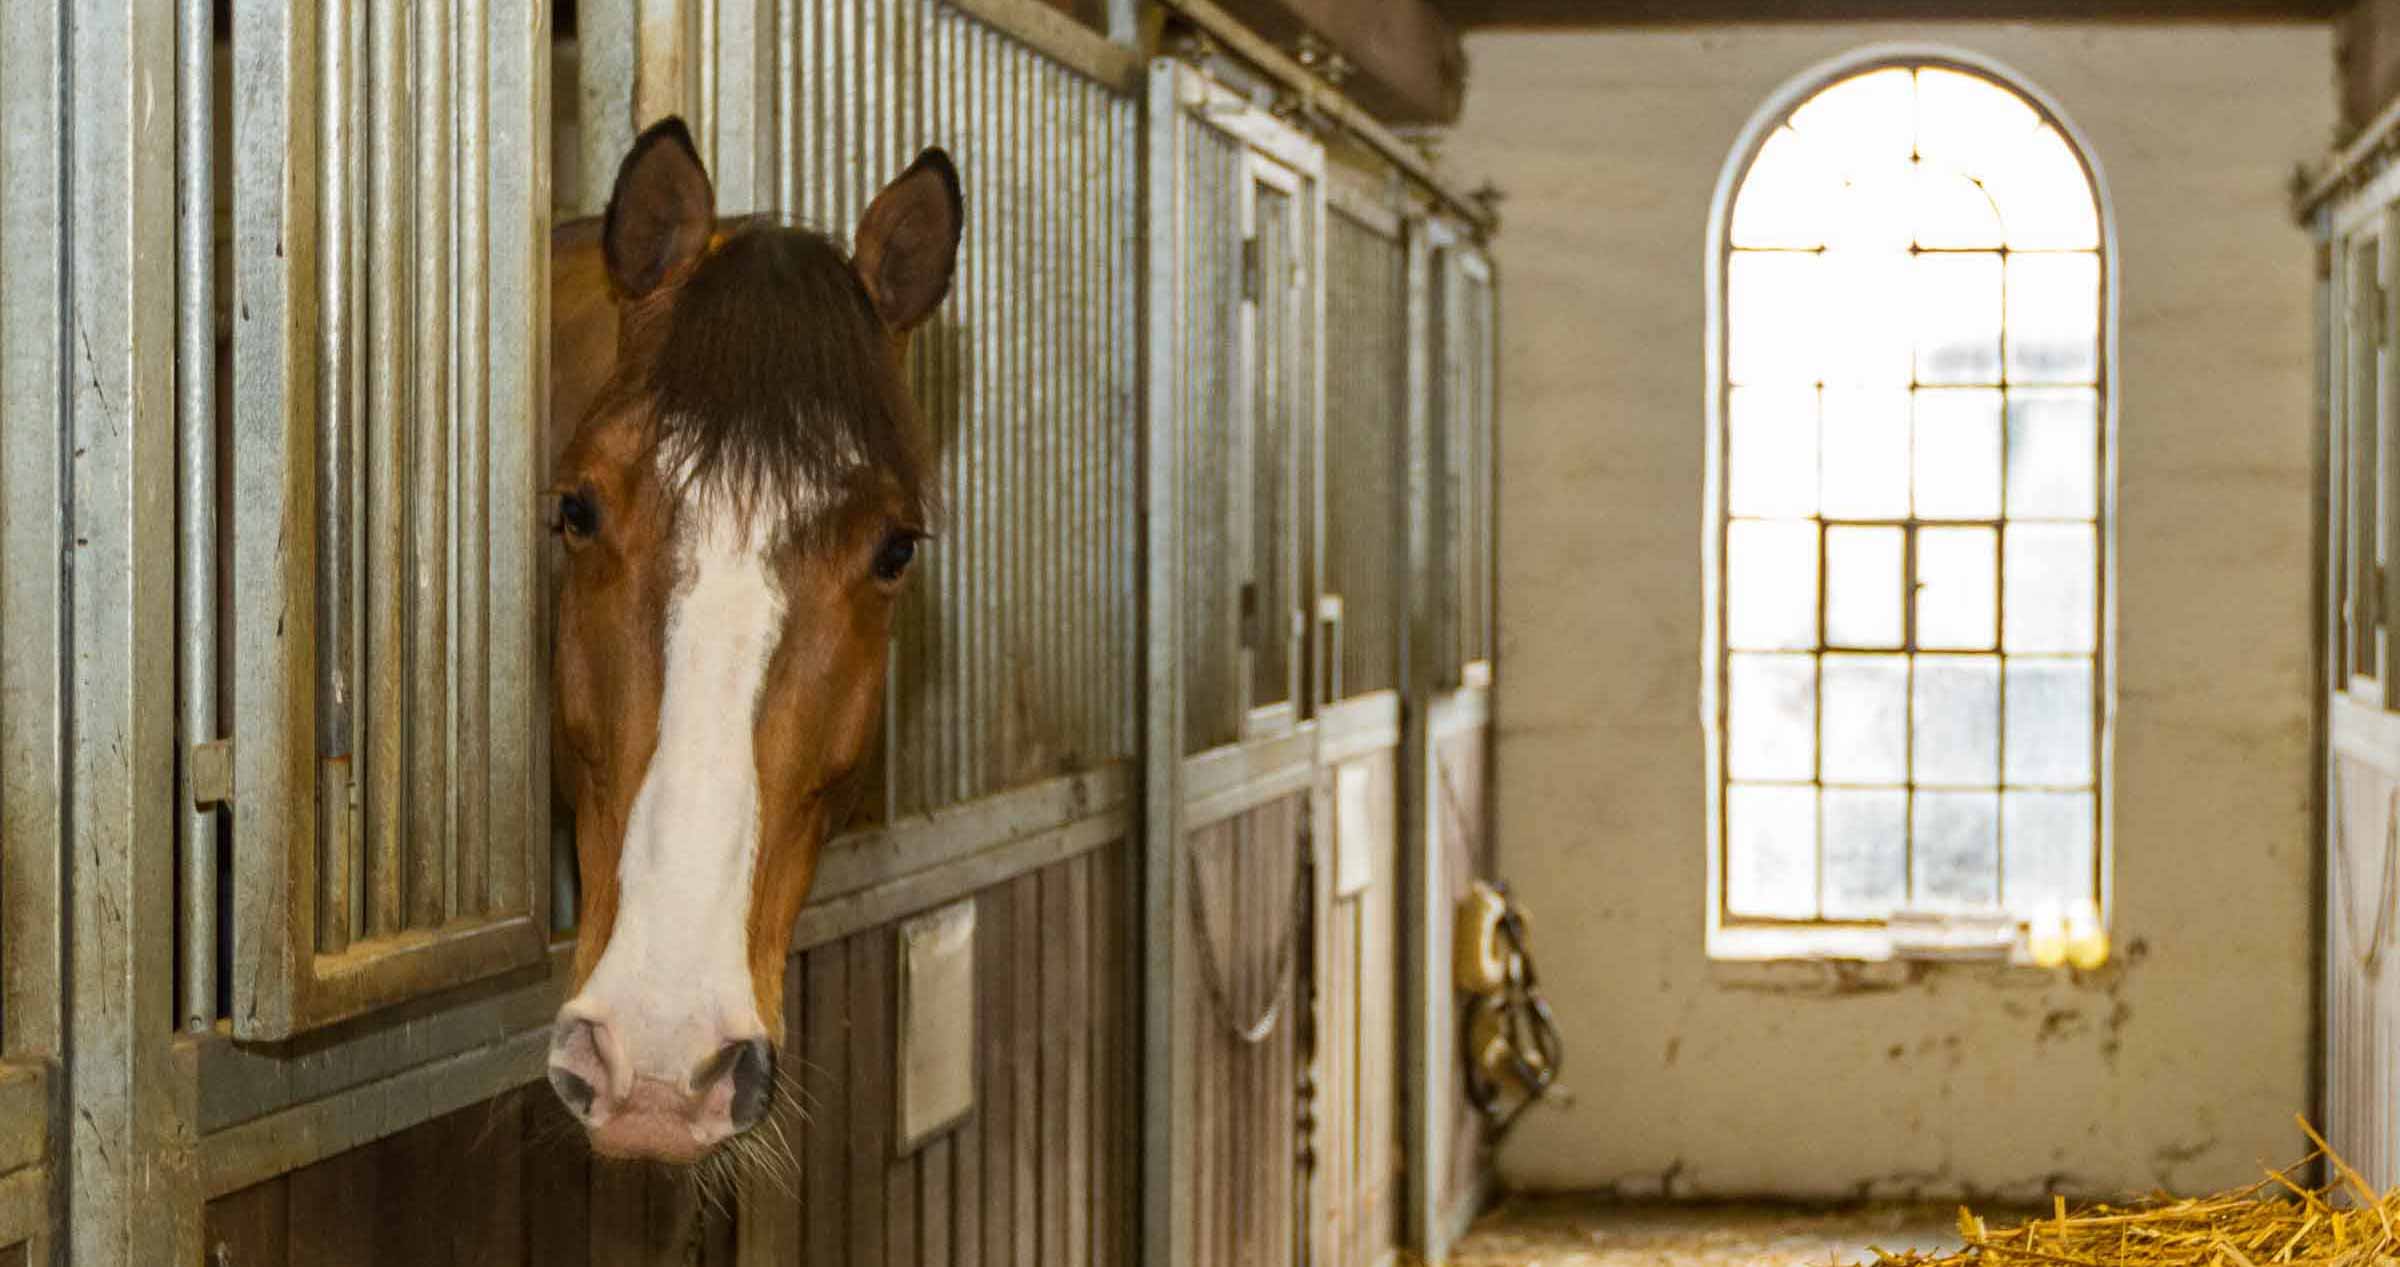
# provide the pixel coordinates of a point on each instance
(2183, 1062)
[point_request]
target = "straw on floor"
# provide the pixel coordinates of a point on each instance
(2275, 1221)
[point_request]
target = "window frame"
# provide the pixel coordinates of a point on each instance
(1917, 935)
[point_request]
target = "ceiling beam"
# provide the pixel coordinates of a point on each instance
(1486, 13)
(1405, 63)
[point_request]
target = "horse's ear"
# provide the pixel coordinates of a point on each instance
(908, 241)
(661, 213)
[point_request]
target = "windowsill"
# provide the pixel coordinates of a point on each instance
(1865, 957)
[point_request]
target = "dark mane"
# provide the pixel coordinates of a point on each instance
(775, 379)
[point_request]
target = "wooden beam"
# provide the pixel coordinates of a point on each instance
(1546, 13)
(1405, 63)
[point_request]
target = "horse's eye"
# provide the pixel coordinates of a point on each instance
(578, 516)
(893, 558)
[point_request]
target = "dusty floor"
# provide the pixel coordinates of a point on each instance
(1582, 1232)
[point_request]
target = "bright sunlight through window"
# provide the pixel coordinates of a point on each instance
(1913, 480)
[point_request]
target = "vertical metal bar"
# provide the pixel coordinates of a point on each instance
(196, 467)
(785, 109)
(1423, 962)
(336, 432)
(275, 306)
(1167, 1026)
(132, 1187)
(472, 442)
(605, 48)
(516, 329)
(430, 842)
(391, 404)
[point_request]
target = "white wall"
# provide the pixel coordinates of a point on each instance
(2183, 1062)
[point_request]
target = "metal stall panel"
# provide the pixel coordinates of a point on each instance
(1365, 419)
(33, 617)
(389, 285)
(1238, 204)
(1463, 400)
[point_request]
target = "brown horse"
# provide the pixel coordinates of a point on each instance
(746, 483)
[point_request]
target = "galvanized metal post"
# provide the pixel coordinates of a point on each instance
(1166, 1051)
(134, 1199)
(1424, 1049)
(196, 458)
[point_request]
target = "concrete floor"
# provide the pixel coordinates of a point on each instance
(1585, 1232)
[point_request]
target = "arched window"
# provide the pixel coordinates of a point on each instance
(1911, 488)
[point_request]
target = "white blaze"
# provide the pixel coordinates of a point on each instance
(674, 983)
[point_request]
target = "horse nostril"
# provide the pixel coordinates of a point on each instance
(579, 1067)
(753, 1081)
(572, 1091)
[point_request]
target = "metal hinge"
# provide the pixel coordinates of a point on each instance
(211, 769)
(1250, 286)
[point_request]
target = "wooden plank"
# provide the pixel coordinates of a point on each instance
(1025, 904)
(556, 1181)
(870, 1093)
(1108, 972)
(1053, 1037)
(1076, 1017)
(825, 1075)
(996, 1098)
(933, 1200)
(1408, 65)
(333, 1205)
(768, 1209)
(480, 1165)
(966, 1179)
(248, 1228)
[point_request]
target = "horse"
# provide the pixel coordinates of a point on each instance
(742, 485)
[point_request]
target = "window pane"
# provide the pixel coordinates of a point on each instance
(1958, 454)
(1787, 196)
(1863, 586)
(1771, 586)
(1864, 122)
(1958, 318)
(2045, 198)
(1866, 719)
(1771, 710)
(2048, 839)
(2054, 453)
(1963, 119)
(2053, 318)
(1953, 211)
(1869, 340)
(1776, 314)
(1955, 588)
(1866, 453)
(2050, 722)
(1866, 853)
(2051, 584)
(1771, 851)
(1957, 721)
(1957, 850)
(1773, 450)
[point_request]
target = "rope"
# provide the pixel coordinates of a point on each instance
(1212, 977)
